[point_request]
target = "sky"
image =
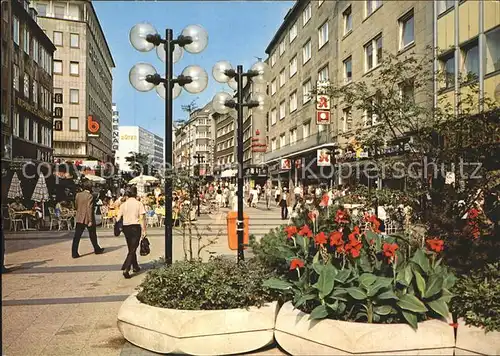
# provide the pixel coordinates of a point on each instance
(239, 31)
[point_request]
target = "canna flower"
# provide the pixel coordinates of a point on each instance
(291, 231)
(296, 263)
(354, 247)
(324, 201)
(313, 215)
(341, 217)
(435, 245)
(390, 251)
(336, 238)
(320, 239)
(305, 231)
(473, 213)
(374, 222)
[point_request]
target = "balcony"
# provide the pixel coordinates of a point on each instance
(319, 138)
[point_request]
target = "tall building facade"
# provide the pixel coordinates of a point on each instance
(82, 80)
(135, 139)
(27, 87)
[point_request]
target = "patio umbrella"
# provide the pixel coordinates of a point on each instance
(41, 193)
(143, 179)
(95, 179)
(15, 189)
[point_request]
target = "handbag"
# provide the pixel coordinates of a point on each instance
(118, 227)
(144, 250)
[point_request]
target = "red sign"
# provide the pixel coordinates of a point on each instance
(323, 157)
(322, 102)
(93, 127)
(298, 163)
(322, 117)
(286, 164)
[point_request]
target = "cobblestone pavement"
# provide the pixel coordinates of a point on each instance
(59, 306)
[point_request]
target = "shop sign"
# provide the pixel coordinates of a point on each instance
(322, 117)
(286, 164)
(58, 98)
(58, 125)
(93, 127)
(28, 107)
(58, 112)
(115, 139)
(323, 158)
(298, 163)
(322, 102)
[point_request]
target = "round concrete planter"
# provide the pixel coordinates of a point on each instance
(197, 332)
(299, 335)
(472, 340)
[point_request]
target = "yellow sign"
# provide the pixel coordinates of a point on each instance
(128, 137)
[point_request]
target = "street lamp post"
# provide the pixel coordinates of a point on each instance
(223, 102)
(200, 159)
(194, 79)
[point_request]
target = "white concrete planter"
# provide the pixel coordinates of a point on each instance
(472, 340)
(197, 332)
(299, 335)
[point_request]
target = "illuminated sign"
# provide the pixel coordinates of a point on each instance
(128, 137)
(93, 127)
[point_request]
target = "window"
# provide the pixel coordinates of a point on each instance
(448, 69)
(323, 35)
(370, 116)
(306, 52)
(306, 91)
(372, 5)
(273, 144)
(323, 74)
(57, 67)
(273, 59)
(443, 5)
(58, 38)
(59, 11)
(348, 70)
(15, 125)
(273, 116)
(406, 30)
(293, 101)
(273, 86)
(293, 136)
(26, 86)
(26, 133)
(74, 96)
(35, 92)
(293, 32)
(282, 140)
(306, 14)
(35, 132)
(346, 120)
(293, 66)
(282, 47)
(282, 77)
(26, 41)
(470, 55)
(74, 68)
(347, 17)
(41, 9)
(306, 130)
(15, 35)
(73, 124)
(373, 53)
(35, 50)
(16, 78)
(74, 40)
(493, 51)
(282, 110)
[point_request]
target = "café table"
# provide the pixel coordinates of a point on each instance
(26, 214)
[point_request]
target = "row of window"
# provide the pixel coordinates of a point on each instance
(74, 68)
(58, 39)
(61, 11)
(226, 129)
(292, 102)
(31, 46)
(225, 159)
(225, 144)
(31, 130)
(38, 94)
(292, 136)
(74, 95)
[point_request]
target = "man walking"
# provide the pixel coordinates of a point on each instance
(85, 218)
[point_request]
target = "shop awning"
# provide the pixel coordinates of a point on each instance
(229, 173)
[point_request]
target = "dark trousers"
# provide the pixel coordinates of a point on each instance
(80, 228)
(133, 236)
(284, 209)
(3, 249)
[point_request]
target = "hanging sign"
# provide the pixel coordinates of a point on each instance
(322, 117)
(322, 102)
(286, 164)
(323, 158)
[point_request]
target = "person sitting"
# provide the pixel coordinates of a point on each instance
(38, 215)
(17, 205)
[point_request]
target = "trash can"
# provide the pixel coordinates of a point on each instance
(232, 235)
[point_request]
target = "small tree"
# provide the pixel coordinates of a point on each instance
(138, 162)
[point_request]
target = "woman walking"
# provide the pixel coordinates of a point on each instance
(133, 214)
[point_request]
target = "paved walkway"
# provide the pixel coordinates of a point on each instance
(55, 305)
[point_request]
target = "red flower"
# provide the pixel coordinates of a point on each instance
(341, 217)
(476, 232)
(435, 245)
(473, 213)
(291, 231)
(305, 231)
(354, 234)
(320, 239)
(354, 245)
(390, 250)
(296, 263)
(336, 238)
(375, 223)
(324, 201)
(313, 215)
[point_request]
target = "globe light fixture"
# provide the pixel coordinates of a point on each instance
(199, 38)
(199, 79)
(219, 71)
(176, 55)
(263, 73)
(176, 91)
(263, 103)
(139, 34)
(139, 74)
(219, 102)
(234, 85)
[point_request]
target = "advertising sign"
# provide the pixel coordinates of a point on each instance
(115, 132)
(322, 102)
(93, 127)
(322, 117)
(323, 158)
(286, 164)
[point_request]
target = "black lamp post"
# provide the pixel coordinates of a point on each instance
(144, 77)
(223, 102)
(199, 159)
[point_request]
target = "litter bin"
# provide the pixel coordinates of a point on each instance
(232, 235)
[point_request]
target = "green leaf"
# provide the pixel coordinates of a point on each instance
(411, 303)
(383, 310)
(320, 312)
(326, 280)
(449, 281)
(342, 275)
(404, 276)
(434, 285)
(411, 318)
(380, 283)
(370, 235)
(365, 264)
(275, 283)
(440, 307)
(334, 307)
(304, 299)
(338, 293)
(387, 295)
(318, 267)
(367, 279)
(316, 258)
(446, 295)
(420, 282)
(356, 293)
(420, 258)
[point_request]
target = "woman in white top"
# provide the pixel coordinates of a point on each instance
(133, 214)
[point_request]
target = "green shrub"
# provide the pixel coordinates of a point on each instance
(214, 285)
(271, 250)
(477, 297)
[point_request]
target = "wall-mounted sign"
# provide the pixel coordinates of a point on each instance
(58, 98)
(58, 112)
(298, 163)
(128, 137)
(286, 164)
(115, 133)
(93, 127)
(322, 117)
(323, 158)
(322, 102)
(58, 125)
